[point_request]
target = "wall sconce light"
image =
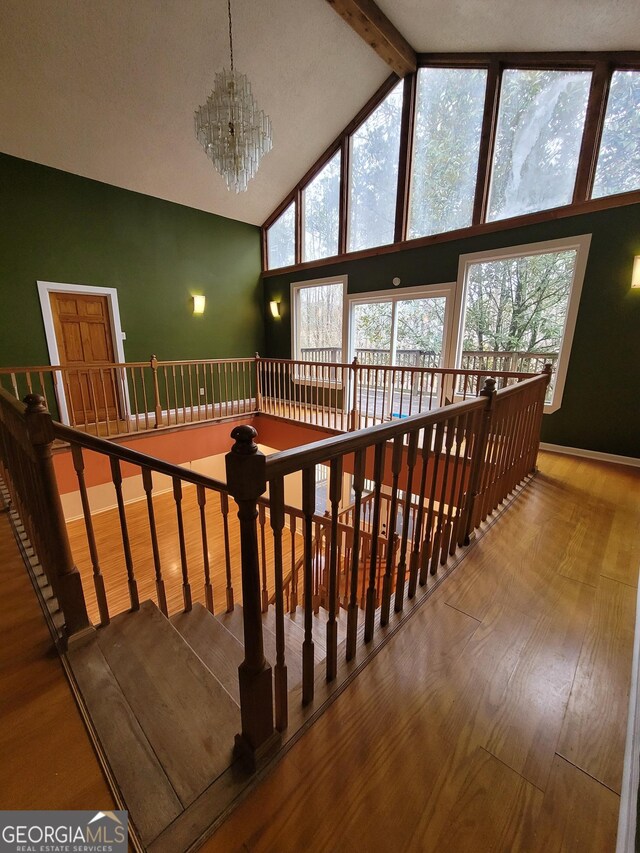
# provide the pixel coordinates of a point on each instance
(635, 275)
(198, 304)
(275, 309)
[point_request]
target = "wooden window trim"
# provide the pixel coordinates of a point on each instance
(588, 206)
(601, 64)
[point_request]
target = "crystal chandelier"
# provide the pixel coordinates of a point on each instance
(230, 127)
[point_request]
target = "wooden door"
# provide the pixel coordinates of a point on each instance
(83, 333)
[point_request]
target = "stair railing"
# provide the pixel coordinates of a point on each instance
(454, 464)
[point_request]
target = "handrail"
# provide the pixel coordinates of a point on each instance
(448, 371)
(287, 461)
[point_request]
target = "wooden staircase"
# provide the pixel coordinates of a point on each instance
(163, 697)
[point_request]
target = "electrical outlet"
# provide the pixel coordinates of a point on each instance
(202, 392)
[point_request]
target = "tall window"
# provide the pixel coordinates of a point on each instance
(538, 138)
(373, 185)
(518, 309)
(618, 169)
(281, 239)
(321, 206)
(449, 109)
(317, 315)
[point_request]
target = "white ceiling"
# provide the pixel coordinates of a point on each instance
(107, 89)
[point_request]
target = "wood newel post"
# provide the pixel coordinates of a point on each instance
(353, 415)
(246, 478)
(58, 560)
(258, 384)
(479, 454)
(153, 361)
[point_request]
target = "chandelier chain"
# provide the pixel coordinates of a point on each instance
(230, 33)
(232, 129)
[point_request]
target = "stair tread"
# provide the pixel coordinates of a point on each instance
(217, 648)
(294, 634)
(232, 621)
(186, 714)
(320, 618)
(130, 755)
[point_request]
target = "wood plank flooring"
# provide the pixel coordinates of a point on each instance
(47, 759)
(495, 719)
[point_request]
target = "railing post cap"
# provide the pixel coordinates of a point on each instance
(35, 403)
(355, 360)
(244, 436)
(548, 367)
(489, 386)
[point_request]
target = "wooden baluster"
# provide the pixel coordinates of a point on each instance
(412, 452)
(396, 467)
(308, 653)
(450, 429)
(190, 391)
(224, 509)
(246, 479)
(293, 600)
(454, 492)
(208, 589)
(431, 511)
(144, 397)
(464, 442)
(104, 397)
(414, 559)
(258, 383)
(352, 608)
(370, 604)
(116, 477)
(71, 415)
(147, 483)
(83, 402)
(354, 418)
(212, 383)
(157, 405)
(335, 493)
(183, 394)
(135, 398)
(175, 392)
(199, 396)
(478, 461)
(98, 579)
(263, 553)
(276, 514)
(56, 556)
(186, 586)
(14, 385)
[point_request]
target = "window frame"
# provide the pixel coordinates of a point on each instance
(581, 244)
(403, 294)
(295, 288)
(602, 65)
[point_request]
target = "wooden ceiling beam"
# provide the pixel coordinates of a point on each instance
(376, 29)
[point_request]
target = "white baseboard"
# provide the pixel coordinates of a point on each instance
(633, 461)
(627, 818)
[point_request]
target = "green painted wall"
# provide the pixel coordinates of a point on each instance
(601, 404)
(59, 227)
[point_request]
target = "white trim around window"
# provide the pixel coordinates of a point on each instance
(401, 295)
(295, 288)
(581, 246)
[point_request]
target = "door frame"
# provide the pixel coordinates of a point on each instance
(45, 288)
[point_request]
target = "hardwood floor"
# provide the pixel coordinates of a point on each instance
(47, 760)
(493, 721)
